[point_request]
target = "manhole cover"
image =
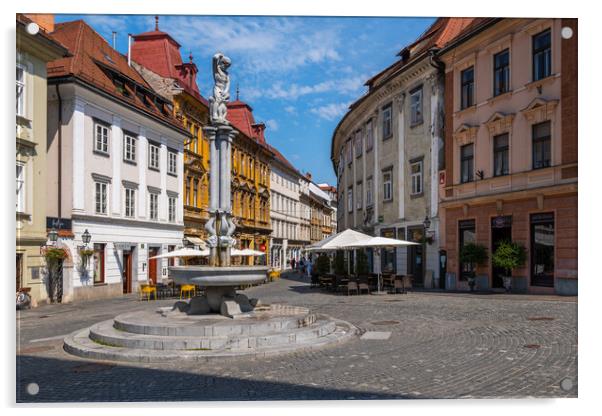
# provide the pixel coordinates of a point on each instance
(532, 346)
(540, 318)
(385, 323)
(44, 316)
(393, 300)
(91, 368)
(33, 350)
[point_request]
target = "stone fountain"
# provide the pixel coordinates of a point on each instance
(221, 323)
(220, 278)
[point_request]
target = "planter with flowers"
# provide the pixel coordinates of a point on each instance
(509, 256)
(474, 255)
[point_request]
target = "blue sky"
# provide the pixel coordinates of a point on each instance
(299, 74)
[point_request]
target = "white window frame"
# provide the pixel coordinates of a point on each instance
(129, 196)
(172, 163)
(349, 149)
(388, 185)
(350, 199)
(100, 205)
(153, 156)
(358, 198)
(129, 147)
(369, 195)
(171, 208)
(416, 106)
(21, 98)
(387, 121)
(101, 138)
(357, 144)
(417, 177)
(21, 179)
(369, 136)
(153, 206)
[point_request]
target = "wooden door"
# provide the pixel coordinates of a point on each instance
(127, 272)
(152, 265)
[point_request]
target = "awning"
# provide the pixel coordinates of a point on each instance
(196, 241)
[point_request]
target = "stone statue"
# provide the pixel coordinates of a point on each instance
(221, 89)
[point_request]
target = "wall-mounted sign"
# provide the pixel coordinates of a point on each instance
(381, 218)
(124, 246)
(501, 221)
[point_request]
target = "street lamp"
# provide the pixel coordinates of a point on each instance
(86, 237)
(427, 223)
(53, 235)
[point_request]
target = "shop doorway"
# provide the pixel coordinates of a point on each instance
(127, 272)
(416, 255)
(501, 230)
(152, 265)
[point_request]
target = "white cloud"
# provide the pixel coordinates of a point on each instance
(330, 111)
(106, 24)
(348, 85)
(273, 44)
(290, 109)
(272, 125)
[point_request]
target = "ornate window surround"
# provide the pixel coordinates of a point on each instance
(538, 111)
(500, 123)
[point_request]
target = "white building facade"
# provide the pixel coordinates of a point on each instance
(289, 231)
(115, 169)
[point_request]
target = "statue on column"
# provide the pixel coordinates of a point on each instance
(221, 89)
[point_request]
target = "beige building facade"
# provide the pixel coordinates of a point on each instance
(34, 50)
(387, 152)
(511, 151)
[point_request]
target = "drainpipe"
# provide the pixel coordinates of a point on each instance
(60, 150)
(129, 49)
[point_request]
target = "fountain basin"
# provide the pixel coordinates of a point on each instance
(208, 276)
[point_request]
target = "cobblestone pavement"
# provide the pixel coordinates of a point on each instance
(440, 346)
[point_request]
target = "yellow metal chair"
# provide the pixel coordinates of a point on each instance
(146, 290)
(274, 274)
(188, 290)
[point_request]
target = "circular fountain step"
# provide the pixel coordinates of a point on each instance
(149, 337)
(105, 333)
(274, 318)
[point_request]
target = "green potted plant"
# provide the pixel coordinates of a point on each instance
(54, 262)
(509, 256)
(474, 255)
(339, 263)
(362, 263)
(323, 264)
(84, 255)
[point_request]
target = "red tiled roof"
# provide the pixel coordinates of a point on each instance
(92, 61)
(160, 53)
(240, 114)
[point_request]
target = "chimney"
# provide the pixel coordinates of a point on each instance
(114, 39)
(129, 49)
(308, 175)
(45, 21)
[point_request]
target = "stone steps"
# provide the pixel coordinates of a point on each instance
(233, 338)
(197, 326)
(81, 343)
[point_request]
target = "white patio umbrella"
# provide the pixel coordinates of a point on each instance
(183, 252)
(339, 241)
(380, 243)
(246, 252)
